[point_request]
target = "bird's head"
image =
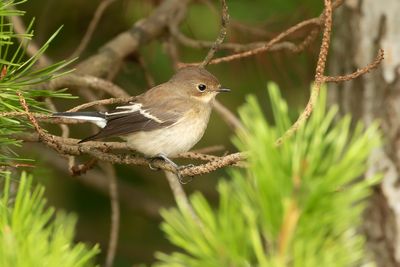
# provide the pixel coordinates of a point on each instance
(197, 83)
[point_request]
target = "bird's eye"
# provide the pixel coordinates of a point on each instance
(201, 87)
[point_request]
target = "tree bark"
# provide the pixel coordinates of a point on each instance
(361, 28)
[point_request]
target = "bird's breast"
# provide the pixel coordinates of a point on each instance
(177, 138)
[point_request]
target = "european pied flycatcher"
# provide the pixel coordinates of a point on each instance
(164, 121)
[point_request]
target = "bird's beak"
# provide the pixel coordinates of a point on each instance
(223, 90)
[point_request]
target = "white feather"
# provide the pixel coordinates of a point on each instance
(133, 108)
(126, 109)
(96, 120)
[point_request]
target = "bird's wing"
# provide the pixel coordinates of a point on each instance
(136, 117)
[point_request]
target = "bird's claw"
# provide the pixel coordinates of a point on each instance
(151, 166)
(180, 178)
(177, 168)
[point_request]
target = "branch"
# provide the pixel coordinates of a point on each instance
(314, 22)
(92, 27)
(128, 42)
(115, 214)
(221, 35)
(359, 72)
(320, 78)
(103, 151)
(109, 101)
(319, 74)
(87, 81)
(131, 197)
(181, 197)
(228, 116)
(268, 46)
(235, 47)
(32, 47)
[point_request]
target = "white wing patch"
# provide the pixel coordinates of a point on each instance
(126, 109)
(148, 115)
(134, 107)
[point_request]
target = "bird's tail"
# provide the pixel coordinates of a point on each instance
(95, 117)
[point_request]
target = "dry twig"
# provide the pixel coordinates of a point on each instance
(32, 47)
(359, 72)
(221, 35)
(313, 22)
(92, 27)
(181, 198)
(319, 74)
(320, 78)
(115, 213)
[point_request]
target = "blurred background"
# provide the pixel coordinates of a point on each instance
(144, 192)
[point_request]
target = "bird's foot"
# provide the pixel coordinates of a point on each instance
(175, 166)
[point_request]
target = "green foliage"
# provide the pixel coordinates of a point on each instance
(18, 72)
(299, 204)
(32, 235)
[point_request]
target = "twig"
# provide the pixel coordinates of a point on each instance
(268, 46)
(221, 35)
(41, 117)
(318, 21)
(77, 170)
(236, 47)
(87, 81)
(320, 78)
(128, 42)
(132, 197)
(228, 116)
(209, 149)
(69, 146)
(208, 167)
(172, 51)
(319, 74)
(32, 48)
(109, 101)
(359, 72)
(239, 25)
(115, 213)
(64, 133)
(199, 154)
(180, 196)
(149, 78)
(92, 27)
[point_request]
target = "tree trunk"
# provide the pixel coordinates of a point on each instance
(361, 28)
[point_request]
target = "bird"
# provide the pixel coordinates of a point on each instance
(164, 121)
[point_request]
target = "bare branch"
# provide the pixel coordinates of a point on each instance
(69, 146)
(87, 81)
(228, 116)
(92, 27)
(128, 42)
(319, 74)
(268, 46)
(359, 72)
(221, 35)
(133, 198)
(32, 47)
(200, 44)
(147, 75)
(109, 101)
(115, 213)
(180, 196)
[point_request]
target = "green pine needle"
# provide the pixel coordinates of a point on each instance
(31, 234)
(299, 204)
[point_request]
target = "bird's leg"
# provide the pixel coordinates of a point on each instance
(173, 164)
